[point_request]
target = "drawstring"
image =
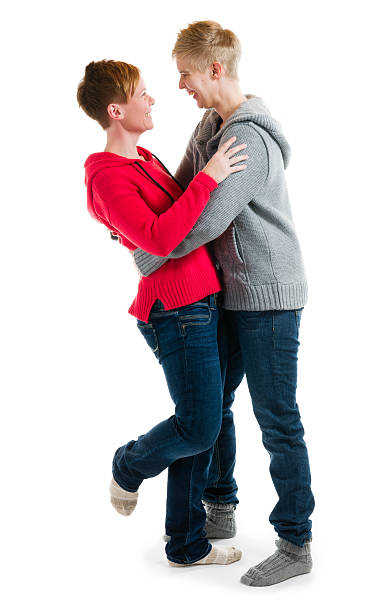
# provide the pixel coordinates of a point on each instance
(168, 172)
(156, 182)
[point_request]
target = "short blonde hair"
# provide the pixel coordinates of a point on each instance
(105, 82)
(205, 42)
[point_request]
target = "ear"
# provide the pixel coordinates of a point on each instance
(114, 111)
(216, 70)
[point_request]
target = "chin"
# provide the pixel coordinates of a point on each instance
(202, 104)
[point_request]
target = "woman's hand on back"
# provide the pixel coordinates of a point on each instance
(222, 164)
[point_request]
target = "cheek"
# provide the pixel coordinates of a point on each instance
(140, 110)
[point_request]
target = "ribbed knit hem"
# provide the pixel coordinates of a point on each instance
(174, 293)
(265, 297)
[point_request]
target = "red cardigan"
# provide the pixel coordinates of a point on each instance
(140, 202)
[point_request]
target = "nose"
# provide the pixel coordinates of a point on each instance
(181, 83)
(152, 101)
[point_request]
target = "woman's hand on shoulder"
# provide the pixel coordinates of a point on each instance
(223, 162)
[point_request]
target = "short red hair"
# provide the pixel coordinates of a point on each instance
(105, 82)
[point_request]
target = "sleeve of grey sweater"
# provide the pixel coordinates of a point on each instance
(225, 203)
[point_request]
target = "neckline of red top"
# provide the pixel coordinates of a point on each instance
(141, 150)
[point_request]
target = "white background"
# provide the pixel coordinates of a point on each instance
(78, 379)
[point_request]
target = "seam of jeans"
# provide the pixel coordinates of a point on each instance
(190, 501)
(182, 333)
(274, 357)
(217, 451)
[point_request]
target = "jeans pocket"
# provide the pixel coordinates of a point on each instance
(199, 314)
(150, 335)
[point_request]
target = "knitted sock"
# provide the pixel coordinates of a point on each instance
(220, 522)
(123, 501)
(288, 561)
(219, 556)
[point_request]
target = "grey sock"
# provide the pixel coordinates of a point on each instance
(288, 561)
(220, 522)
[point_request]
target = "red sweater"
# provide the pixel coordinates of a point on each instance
(140, 202)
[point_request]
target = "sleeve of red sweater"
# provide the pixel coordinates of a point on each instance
(130, 215)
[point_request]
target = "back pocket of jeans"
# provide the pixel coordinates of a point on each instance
(150, 335)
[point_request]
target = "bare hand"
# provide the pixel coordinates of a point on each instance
(222, 164)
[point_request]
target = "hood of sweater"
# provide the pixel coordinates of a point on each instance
(253, 110)
(97, 162)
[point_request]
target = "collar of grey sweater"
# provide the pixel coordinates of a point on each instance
(253, 110)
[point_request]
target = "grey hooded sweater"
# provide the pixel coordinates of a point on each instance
(248, 218)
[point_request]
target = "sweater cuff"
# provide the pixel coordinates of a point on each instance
(146, 262)
(206, 180)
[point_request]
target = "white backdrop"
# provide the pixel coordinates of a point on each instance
(73, 388)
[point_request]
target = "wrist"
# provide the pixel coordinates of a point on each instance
(206, 178)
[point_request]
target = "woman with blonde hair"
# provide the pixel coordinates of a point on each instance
(249, 224)
(132, 193)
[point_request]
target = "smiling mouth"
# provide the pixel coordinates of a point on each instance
(147, 114)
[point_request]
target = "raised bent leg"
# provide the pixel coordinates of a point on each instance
(185, 342)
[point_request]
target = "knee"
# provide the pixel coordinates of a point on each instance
(206, 440)
(200, 438)
(283, 437)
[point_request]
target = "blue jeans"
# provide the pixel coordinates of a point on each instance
(184, 341)
(264, 346)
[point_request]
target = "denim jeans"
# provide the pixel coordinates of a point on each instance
(184, 341)
(264, 345)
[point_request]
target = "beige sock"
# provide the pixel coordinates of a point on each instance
(123, 501)
(218, 555)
